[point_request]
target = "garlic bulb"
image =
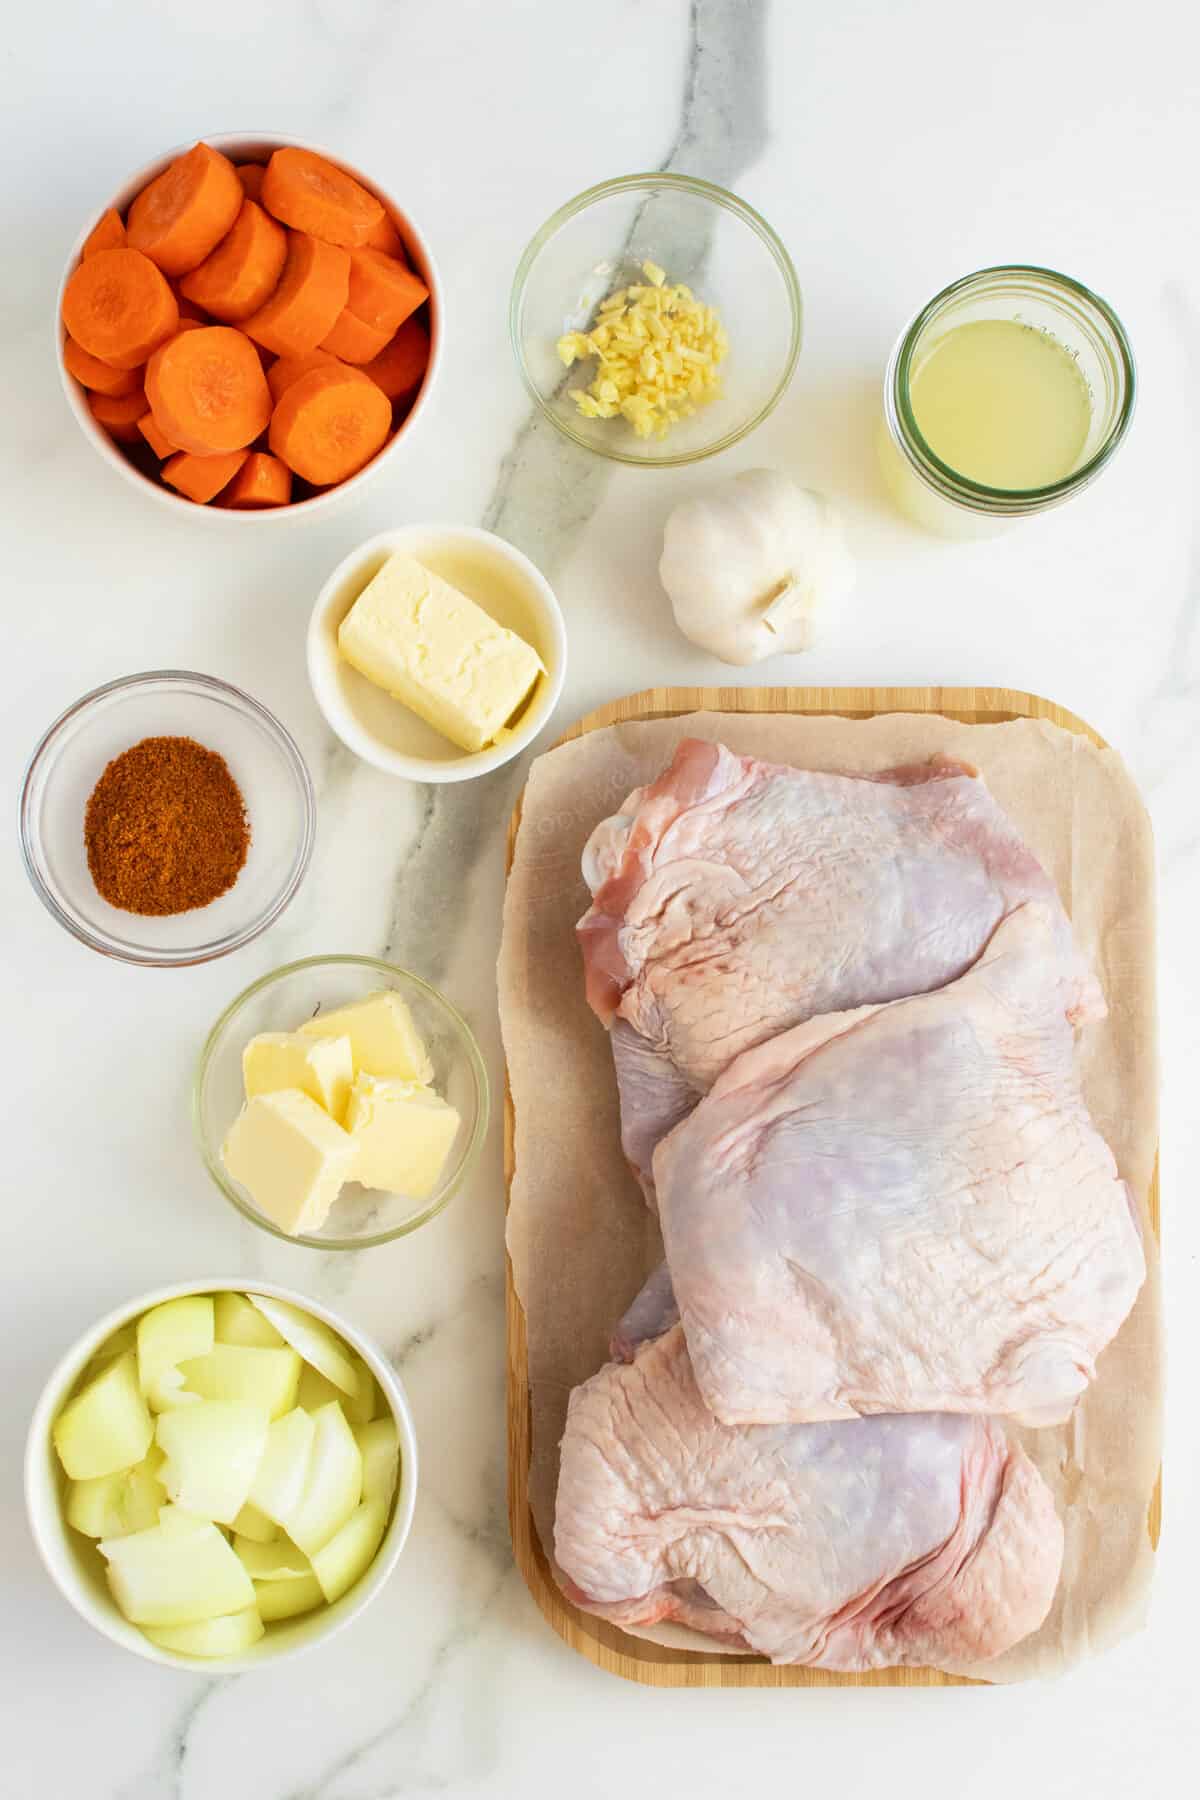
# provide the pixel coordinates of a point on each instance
(750, 566)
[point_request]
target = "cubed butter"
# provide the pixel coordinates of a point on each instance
(383, 1038)
(430, 647)
(290, 1157)
(402, 1133)
(322, 1067)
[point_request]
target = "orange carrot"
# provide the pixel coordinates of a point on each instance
(161, 446)
(387, 238)
(119, 414)
(353, 340)
(243, 270)
(400, 369)
(189, 323)
(109, 234)
(187, 310)
(261, 481)
(383, 292)
(101, 377)
(118, 306)
(251, 177)
(311, 293)
(310, 194)
(201, 478)
(281, 374)
(185, 212)
(207, 391)
(329, 424)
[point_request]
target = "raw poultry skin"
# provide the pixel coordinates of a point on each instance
(734, 898)
(926, 1539)
(905, 1208)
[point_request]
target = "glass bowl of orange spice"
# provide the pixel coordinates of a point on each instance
(166, 819)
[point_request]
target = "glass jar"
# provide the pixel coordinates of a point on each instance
(936, 496)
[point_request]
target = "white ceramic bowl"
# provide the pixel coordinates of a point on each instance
(77, 1569)
(248, 146)
(499, 579)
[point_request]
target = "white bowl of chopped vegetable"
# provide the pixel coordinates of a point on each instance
(220, 1474)
(656, 319)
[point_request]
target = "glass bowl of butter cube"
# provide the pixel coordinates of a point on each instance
(340, 1102)
(656, 319)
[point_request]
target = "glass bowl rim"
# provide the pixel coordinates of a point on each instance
(897, 392)
(30, 835)
(474, 1058)
(704, 190)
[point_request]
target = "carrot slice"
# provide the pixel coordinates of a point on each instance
(108, 234)
(383, 292)
(201, 478)
(311, 293)
(387, 238)
(189, 323)
(400, 369)
(185, 212)
(161, 446)
(101, 377)
(119, 414)
(329, 424)
(288, 369)
(354, 340)
(243, 270)
(311, 194)
(207, 391)
(251, 177)
(118, 306)
(261, 481)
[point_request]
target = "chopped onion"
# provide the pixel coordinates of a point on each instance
(176, 1573)
(166, 1336)
(213, 1451)
(251, 1375)
(226, 1636)
(106, 1426)
(333, 1485)
(347, 1555)
(313, 1339)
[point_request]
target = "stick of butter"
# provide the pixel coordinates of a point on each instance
(290, 1157)
(433, 649)
(402, 1133)
(383, 1038)
(322, 1067)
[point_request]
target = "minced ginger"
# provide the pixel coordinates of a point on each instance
(658, 348)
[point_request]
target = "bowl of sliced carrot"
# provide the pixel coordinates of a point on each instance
(251, 327)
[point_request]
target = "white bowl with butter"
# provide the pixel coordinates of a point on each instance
(383, 730)
(72, 1561)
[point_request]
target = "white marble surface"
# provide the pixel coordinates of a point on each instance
(894, 147)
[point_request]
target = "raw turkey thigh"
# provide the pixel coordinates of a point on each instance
(734, 898)
(922, 1540)
(905, 1208)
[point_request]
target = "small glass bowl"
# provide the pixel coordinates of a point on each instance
(700, 235)
(265, 763)
(283, 1001)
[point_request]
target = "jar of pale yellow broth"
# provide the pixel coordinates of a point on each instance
(1005, 396)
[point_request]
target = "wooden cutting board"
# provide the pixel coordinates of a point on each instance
(603, 1644)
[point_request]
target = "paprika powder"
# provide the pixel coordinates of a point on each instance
(165, 828)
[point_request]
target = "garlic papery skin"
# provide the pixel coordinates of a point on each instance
(751, 566)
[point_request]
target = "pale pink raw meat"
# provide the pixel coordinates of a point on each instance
(905, 1208)
(734, 898)
(926, 1539)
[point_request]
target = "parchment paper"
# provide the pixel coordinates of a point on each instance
(579, 1234)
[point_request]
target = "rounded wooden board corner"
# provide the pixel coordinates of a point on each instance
(633, 1658)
